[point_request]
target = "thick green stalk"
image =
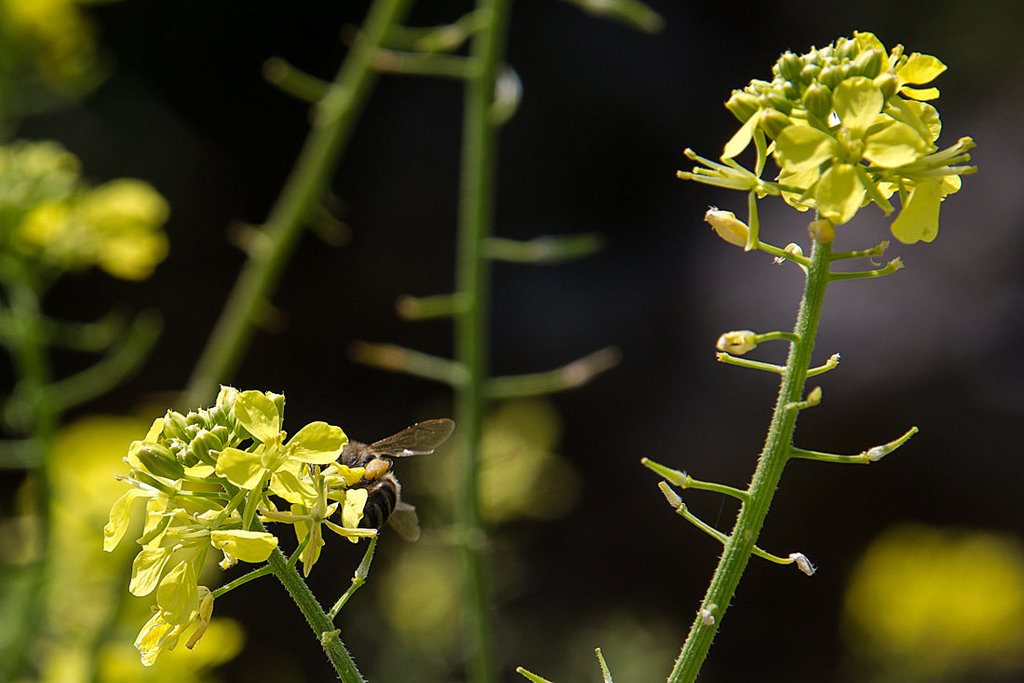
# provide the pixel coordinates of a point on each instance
(476, 218)
(332, 128)
(740, 543)
(318, 620)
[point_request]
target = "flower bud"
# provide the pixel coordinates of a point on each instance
(174, 426)
(743, 105)
(789, 66)
(803, 564)
(737, 342)
(830, 76)
(773, 122)
(888, 83)
(728, 227)
(822, 231)
(779, 102)
(817, 99)
(159, 460)
(869, 63)
(207, 446)
(809, 73)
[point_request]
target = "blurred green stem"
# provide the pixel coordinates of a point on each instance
(30, 412)
(334, 121)
(476, 219)
(740, 543)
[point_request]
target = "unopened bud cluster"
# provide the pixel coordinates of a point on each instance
(803, 84)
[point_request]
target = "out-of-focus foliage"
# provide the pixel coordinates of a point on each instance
(931, 604)
(48, 54)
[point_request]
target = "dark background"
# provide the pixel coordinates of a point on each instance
(605, 116)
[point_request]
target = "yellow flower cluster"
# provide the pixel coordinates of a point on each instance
(49, 215)
(206, 477)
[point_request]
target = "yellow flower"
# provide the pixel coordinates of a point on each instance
(938, 604)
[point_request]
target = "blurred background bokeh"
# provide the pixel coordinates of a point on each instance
(920, 565)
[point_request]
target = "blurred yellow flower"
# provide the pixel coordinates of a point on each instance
(421, 596)
(57, 34)
(929, 604)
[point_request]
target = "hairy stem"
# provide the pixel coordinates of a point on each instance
(332, 128)
(476, 218)
(740, 543)
(318, 620)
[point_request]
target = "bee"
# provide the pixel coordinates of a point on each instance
(384, 494)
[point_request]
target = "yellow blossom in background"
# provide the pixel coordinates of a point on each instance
(520, 473)
(57, 36)
(931, 604)
(420, 595)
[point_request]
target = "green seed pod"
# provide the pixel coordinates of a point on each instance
(773, 122)
(743, 105)
(160, 461)
(869, 63)
(818, 100)
(887, 83)
(789, 66)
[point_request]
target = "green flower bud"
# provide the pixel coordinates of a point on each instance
(847, 49)
(830, 76)
(160, 461)
(780, 102)
(728, 227)
(818, 100)
(743, 105)
(207, 446)
(174, 426)
(888, 83)
(809, 73)
(869, 63)
(773, 122)
(222, 433)
(789, 66)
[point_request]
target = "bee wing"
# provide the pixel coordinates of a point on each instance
(420, 439)
(405, 521)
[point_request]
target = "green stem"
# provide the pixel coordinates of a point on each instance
(740, 543)
(35, 415)
(476, 218)
(332, 128)
(318, 620)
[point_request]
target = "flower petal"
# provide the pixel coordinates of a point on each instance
(919, 219)
(802, 148)
(895, 145)
(318, 443)
(858, 101)
(242, 469)
(178, 594)
(247, 546)
(839, 193)
(258, 414)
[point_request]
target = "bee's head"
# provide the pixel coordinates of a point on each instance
(376, 468)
